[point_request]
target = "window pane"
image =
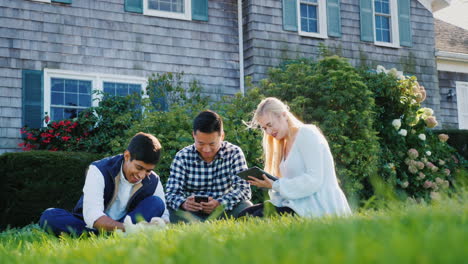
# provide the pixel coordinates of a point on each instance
(109, 88)
(69, 113)
(312, 10)
(378, 24)
(385, 7)
(71, 99)
(85, 87)
(71, 86)
(56, 113)
(84, 100)
(134, 88)
(57, 98)
(176, 6)
(386, 35)
(121, 89)
(385, 22)
(57, 84)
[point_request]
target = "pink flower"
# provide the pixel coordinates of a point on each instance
(427, 184)
(413, 153)
(431, 122)
(443, 137)
(447, 172)
(420, 165)
(421, 176)
(413, 169)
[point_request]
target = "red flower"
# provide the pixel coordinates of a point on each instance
(68, 123)
(47, 119)
(66, 138)
(53, 149)
(23, 130)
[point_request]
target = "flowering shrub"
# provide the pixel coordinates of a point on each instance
(92, 131)
(415, 160)
(65, 135)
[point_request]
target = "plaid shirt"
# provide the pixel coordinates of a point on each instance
(191, 175)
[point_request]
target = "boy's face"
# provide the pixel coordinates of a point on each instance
(135, 170)
(208, 144)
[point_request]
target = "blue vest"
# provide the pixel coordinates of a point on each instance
(110, 168)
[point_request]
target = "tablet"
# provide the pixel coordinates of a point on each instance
(255, 172)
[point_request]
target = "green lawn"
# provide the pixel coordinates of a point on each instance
(404, 233)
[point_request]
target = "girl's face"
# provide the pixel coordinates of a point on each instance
(274, 125)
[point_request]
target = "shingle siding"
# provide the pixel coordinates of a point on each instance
(99, 36)
(267, 44)
(448, 108)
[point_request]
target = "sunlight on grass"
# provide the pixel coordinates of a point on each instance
(400, 233)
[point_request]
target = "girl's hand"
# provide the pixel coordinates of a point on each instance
(265, 183)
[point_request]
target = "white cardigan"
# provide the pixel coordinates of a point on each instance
(309, 185)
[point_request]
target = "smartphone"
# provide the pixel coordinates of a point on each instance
(199, 199)
(255, 172)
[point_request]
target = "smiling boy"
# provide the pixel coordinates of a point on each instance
(114, 188)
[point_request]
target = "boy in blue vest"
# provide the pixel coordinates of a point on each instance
(115, 187)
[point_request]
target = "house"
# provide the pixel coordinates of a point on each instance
(452, 69)
(54, 53)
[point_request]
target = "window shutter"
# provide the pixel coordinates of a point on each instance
(404, 22)
(134, 6)
(62, 1)
(462, 104)
(200, 10)
(367, 20)
(333, 18)
(290, 15)
(33, 109)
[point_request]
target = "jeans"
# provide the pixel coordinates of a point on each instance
(187, 217)
(57, 221)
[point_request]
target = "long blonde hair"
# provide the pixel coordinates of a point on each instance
(273, 148)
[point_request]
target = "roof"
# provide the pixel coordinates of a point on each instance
(450, 38)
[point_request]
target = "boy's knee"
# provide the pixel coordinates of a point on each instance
(47, 217)
(155, 204)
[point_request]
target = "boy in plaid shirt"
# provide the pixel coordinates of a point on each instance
(207, 168)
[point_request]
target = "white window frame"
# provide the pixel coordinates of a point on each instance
(187, 15)
(322, 20)
(459, 87)
(44, 1)
(97, 83)
(394, 32)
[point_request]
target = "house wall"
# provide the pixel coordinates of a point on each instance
(267, 44)
(99, 36)
(448, 107)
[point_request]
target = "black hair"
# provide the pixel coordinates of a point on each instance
(208, 122)
(145, 147)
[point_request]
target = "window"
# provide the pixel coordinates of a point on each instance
(386, 22)
(312, 18)
(68, 97)
(67, 93)
(179, 9)
(382, 20)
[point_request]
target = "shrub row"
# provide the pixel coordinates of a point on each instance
(34, 181)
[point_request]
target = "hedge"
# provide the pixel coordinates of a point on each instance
(458, 138)
(36, 180)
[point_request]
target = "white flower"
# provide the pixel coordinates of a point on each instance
(403, 132)
(381, 69)
(396, 123)
(413, 131)
(422, 137)
(428, 153)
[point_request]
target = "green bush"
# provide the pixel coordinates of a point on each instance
(36, 180)
(331, 94)
(458, 139)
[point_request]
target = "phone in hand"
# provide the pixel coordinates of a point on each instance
(199, 199)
